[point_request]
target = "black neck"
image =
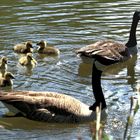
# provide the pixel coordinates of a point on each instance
(96, 86)
(132, 37)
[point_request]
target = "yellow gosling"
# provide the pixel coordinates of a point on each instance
(3, 62)
(49, 50)
(3, 65)
(24, 47)
(28, 60)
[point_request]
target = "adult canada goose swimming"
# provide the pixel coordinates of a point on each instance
(28, 60)
(49, 50)
(24, 47)
(109, 51)
(6, 80)
(54, 107)
(48, 106)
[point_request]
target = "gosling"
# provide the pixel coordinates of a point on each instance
(24, 47)
(7, 79)
(3, 63)
(49, 50)
(28, 60)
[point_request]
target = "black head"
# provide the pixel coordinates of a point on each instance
(136, 15)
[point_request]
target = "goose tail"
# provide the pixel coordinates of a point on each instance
(16, 104)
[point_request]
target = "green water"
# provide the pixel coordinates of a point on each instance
(69, 25)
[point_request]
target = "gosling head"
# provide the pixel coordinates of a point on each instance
(4, 60)
(3, 63)
(8, 76)
(42, 44)
(29, 56)
(31, 61)
(29, 44)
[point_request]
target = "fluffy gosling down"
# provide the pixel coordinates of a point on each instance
(28, 60)
(24, 47)
(7, 79)
(3, 62)
(44, 49)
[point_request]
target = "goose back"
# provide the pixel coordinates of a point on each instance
(50, 50)
(48, 106)
(106, 51)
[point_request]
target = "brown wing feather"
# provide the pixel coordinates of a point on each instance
(29, 102)
(36, 93)
(107, 49)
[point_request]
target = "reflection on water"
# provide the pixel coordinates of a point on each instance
(85, 69)
(68, 25)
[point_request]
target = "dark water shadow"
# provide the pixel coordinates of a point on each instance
(26, 124)
(85, 69)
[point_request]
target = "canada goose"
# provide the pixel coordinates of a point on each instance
(44, 49)
(54, 107)
(24, 47)
(6, 80)
(47, 106)
(28, 60)
(109, 51)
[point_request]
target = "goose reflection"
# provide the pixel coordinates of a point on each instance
(85, 69)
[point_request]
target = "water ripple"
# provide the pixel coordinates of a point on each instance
(70, 25)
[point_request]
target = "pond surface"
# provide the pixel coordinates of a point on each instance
(69, 25)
